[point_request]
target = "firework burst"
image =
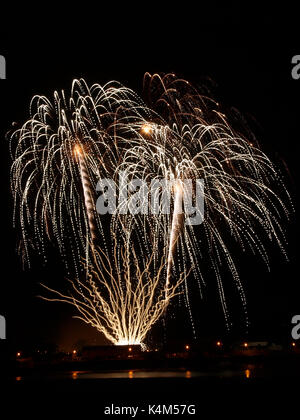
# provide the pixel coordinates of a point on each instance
(59, 154)
(180, 136)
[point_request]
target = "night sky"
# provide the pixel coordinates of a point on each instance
(247, 64)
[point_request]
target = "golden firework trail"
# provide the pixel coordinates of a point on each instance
(245, 199)
(87, 192)
(48, 175)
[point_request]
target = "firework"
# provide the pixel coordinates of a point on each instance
(121, 296)
(176, 227)
(180, 136)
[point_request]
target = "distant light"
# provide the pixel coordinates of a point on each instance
(74, 351)
(187, 347)
(130, 349)
(247, 373)
(18, 354)
(130, 374)
(188, 374)
(219, 344)
(245, 344)
(294, 344)
(18, 378)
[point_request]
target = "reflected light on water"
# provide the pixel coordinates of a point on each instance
(75, 375)
(130, 374)
(247, 373)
